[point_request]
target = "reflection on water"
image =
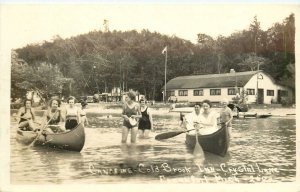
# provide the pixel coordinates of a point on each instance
(261, 150)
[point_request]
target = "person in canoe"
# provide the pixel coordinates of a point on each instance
(131, 111)
(72, 114)
(54, 117)
(83, 117)
(208, 122)
(192, 118)
(226, 115)
(26, 117)
(145, 122)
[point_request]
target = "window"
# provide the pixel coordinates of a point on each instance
(215, 91)
(182, 92)
(284, 93)
(198, 92)
(232, 91)
(250, 91)
(170, 93)
(270, 92)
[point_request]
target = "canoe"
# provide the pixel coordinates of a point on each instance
(72, 140)
(216, 143)
(252, 115)
(264, 115)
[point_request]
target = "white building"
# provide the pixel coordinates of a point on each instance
(215, 87)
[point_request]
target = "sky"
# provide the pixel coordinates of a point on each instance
(35, 23)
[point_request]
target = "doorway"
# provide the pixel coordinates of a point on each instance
(260, 96)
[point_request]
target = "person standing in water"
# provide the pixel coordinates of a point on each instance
(83, 117)
(131, 109)
(145, 122)
(226, 115)
(72, 114)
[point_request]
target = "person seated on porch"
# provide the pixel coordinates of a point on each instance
(26, 117)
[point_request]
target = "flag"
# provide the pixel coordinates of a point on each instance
(164, 50)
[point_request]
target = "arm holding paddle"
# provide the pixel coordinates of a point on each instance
(41, 131)
(55, 125)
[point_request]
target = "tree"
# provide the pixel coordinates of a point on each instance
(253, 62)
(45, 79)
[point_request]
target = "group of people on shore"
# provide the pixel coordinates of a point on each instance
(53, 117)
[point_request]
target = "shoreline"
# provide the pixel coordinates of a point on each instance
(166, 109)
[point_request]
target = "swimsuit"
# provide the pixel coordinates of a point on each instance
(55, 120)
(23, 119)
(129, 112)
(71, 118)
(144, 122)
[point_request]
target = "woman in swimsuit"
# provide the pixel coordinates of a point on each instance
(54, 114)
(131, 109)
(145, 123)
(26, 116)
(72, 114)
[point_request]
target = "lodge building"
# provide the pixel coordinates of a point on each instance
(215, 87)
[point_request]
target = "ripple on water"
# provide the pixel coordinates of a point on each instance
(268, 142)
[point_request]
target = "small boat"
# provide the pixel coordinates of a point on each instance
(72, 140)
(216, 143)
(245, 115)
(252, 115)
(264, 115)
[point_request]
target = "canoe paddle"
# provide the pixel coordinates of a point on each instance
(198, 151)
(170, 134)
(40, 132)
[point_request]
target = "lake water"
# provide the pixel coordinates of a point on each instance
(261, 150)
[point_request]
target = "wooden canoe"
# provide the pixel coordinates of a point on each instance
(216, 143)
(72, 140)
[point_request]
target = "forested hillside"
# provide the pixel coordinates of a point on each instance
(98, 61)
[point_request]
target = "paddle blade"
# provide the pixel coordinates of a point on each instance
(168, 135)
(198, 151)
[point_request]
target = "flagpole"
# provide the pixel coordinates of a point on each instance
(166, 58)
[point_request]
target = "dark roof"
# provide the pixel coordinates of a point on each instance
(238, 79)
